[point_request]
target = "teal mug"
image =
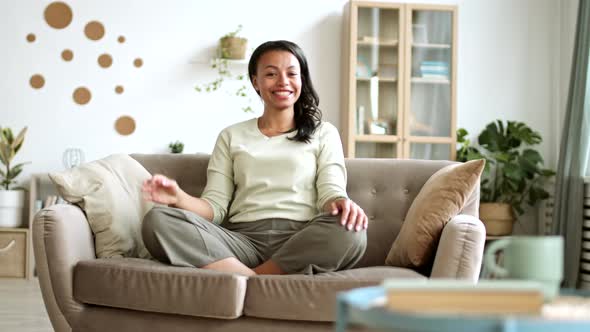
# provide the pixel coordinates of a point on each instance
(536, 258)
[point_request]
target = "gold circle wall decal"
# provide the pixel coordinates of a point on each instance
(105, 60)
(125, 125)
(31, 37)
(138, 62)
(121, 39)
(67, 55)
(94, 30)
(37, 81)
(119, 89)
(58, 15)
(82, 95)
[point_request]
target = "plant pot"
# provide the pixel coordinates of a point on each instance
(233, 48)
(12, 204)
(498, 218)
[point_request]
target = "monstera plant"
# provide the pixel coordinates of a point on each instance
(514, 173)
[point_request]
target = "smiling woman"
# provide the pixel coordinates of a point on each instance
(279, 180)
(278, 82)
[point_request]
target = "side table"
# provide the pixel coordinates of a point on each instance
(366, 307)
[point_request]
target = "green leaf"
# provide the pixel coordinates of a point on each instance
(19, 167)
(503, 157)
(512, 171)
(13, 173)
(532, 157)
(19, 140)
(473, 153)
(5, 153)
(7, 136)
(490, 138)
(461, 134)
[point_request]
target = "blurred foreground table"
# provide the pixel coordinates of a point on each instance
(366, 307)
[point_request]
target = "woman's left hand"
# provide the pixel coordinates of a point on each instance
(352, 216)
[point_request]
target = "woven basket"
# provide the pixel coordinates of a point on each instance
(233, 48)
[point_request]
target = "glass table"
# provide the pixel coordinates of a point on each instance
(365, 307)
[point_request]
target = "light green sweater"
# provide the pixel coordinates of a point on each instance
(273, 177)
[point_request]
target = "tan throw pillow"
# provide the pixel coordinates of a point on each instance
(441, 198)
(109, 191)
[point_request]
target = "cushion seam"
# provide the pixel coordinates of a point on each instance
(461, 260)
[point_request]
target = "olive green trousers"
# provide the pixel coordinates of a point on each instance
(183, 238)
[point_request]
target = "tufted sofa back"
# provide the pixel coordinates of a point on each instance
(384, 188)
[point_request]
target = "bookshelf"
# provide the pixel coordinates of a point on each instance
(400, 80)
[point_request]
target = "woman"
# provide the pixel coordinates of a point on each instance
(283, 178)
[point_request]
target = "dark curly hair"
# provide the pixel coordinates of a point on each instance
(307, 113)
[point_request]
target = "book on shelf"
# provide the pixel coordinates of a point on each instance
(434, 63)
(487, 297)
(435, 76)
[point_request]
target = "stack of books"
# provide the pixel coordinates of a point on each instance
(434, 69)
(485, 298)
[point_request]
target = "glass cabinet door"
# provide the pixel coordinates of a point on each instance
(431, 151)
(430, 83)
(377, 93)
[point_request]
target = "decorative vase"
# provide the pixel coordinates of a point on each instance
(498, 218)
(11, 208)
(233, 48)
(73, 157)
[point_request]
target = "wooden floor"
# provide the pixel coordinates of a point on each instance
(21, 307)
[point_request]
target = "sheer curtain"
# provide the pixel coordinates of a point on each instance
(574, 152)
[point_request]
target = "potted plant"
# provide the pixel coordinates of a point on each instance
(176, 147)
(11, 198)
(233, 47)
(514, 173)
(230, 48)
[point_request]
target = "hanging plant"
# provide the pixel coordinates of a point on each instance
(231, 47)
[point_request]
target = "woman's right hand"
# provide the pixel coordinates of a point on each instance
(160, 189)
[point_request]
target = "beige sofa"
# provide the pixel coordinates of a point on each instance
(82, 293)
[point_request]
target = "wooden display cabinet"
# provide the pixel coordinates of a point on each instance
(399, 80)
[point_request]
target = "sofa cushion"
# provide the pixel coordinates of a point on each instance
(440, 199)
(145, 285)
(310, 298)
(109, 192)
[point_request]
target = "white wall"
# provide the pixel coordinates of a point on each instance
(511, 54)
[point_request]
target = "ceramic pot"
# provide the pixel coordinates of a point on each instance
(12, 204)
(498, 218)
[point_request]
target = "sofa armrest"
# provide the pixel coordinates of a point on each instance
(460, 249)
(61, 238)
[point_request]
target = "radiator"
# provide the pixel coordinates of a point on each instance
(584, 279)
(545, 220)
(545, 211)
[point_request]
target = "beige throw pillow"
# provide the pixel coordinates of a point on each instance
(441, 198)
(109, 191)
